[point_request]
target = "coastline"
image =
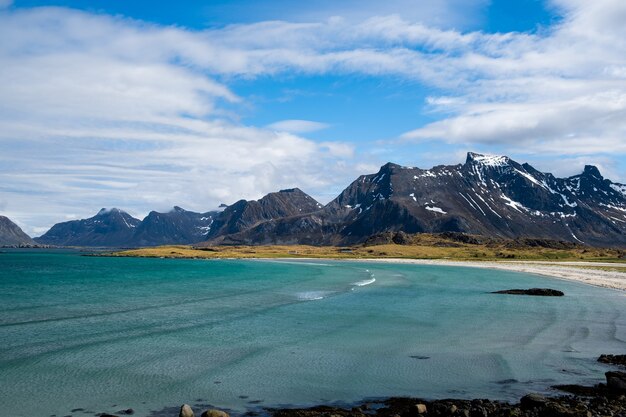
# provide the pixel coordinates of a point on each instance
(582, 272)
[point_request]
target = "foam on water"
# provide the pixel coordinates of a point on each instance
(311, 295)
(370, 280)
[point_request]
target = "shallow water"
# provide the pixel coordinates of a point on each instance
(104, 334)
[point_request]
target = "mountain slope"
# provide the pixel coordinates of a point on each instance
(12, 235)
(244, 214)
(108, 228)
(487, 195)
(175, 227)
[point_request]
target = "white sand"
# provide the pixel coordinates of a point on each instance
(562, 270)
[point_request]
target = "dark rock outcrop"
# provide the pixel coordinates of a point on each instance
(545, 292)
(532, 405)
(613, 359)
(616, 381)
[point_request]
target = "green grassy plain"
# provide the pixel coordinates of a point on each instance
(423, 246)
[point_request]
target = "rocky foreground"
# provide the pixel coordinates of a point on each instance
(602, 400)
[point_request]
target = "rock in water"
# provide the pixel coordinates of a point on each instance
(613, 359)
(214, 413)
(546, 292)
(185, 411)
(615, 380)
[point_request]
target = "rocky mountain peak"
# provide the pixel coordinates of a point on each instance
(487, 159)
(592, 171)
(106, 211)
(388, 168)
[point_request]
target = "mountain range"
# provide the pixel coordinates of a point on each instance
(487, 195)
(116, 228)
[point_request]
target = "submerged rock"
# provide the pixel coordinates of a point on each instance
(215, 413)
(548, 292)
(185, 411)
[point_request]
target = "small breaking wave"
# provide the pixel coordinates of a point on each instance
(311, 295)
(364, 282)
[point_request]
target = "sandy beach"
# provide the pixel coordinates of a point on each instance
(584, 272)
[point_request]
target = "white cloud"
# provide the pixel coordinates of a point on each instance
(562, 92)
(298, 126)
(98, 110)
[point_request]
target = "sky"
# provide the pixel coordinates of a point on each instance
(143, 106)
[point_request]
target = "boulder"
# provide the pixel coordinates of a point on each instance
(616, 380)
(530, 401)
(214, 413)
(185, 411)
(421, 408)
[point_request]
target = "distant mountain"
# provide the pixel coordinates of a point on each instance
(175, 227)
(245, 214)
(12, 235)
(487, 195)
(115, 228)
(108, 228)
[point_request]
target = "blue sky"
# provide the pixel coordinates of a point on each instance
(195, 103)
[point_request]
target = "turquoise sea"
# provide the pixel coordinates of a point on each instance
(105, 334)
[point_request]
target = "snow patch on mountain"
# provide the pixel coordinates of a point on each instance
(436, 210)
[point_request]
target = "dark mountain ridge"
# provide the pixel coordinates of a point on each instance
(177, 226)
(12, 235)
(244, 214)
(116, 228)
(108, 228)
(487, 195)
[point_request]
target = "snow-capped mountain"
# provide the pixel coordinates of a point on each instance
(108, 228)
(116, 228)
(177, 226)
(488, 195)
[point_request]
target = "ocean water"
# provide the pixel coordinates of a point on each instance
(104, 334)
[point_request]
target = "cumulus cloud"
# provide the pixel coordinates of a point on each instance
(96, 109)
(562, 92)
